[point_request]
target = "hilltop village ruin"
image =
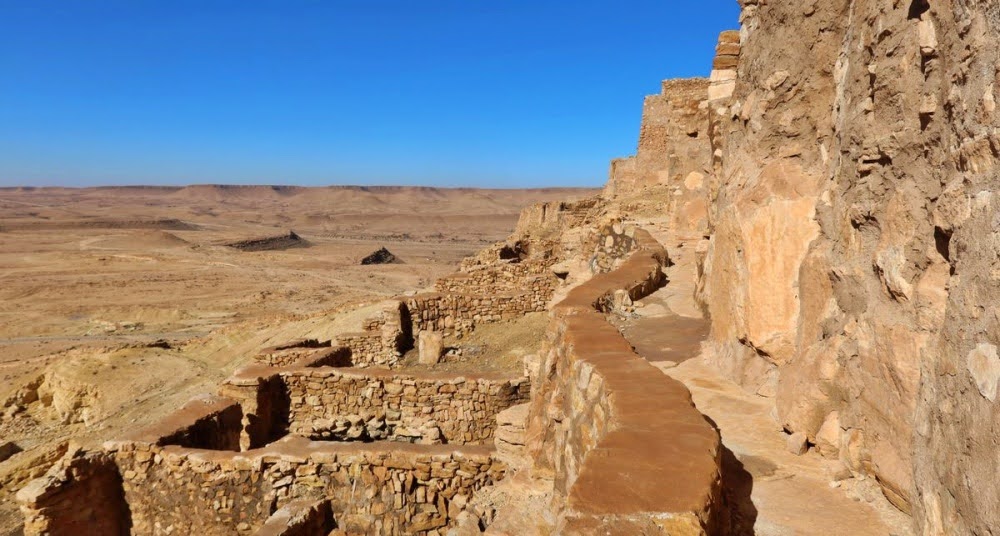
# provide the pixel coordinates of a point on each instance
(813, 224)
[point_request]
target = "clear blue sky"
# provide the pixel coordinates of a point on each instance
(450, 92)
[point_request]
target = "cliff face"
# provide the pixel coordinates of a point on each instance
(852, 267)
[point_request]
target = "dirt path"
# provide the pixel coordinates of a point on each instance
(776, 492)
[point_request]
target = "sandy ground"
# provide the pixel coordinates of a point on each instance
(119, 304)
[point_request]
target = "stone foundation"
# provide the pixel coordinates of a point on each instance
(405, 453)
(372, 488)
(383, 405)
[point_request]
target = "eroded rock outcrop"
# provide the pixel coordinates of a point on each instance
(852, 264)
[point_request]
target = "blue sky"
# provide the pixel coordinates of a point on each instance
(436, 92)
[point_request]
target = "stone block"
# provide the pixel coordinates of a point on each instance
(430, 346)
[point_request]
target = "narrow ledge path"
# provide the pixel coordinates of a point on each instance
(776, 493)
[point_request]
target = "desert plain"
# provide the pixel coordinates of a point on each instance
(119, 304)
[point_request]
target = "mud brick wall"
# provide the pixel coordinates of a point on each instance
(464, 410)
(408, 490)
(81, 494)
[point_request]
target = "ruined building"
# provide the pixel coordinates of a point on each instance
(831, 182)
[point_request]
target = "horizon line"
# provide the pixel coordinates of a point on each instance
(290, 186)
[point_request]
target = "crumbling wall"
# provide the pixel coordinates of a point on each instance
(535, 277)
(547, 220)
(674, 155)
(613, 243)
(341, 404)
(460, 313)
(206, 422)
(81, 494)
(383, 339)
(371, 489)
(306, 353)
(853, 241)
(263, 398)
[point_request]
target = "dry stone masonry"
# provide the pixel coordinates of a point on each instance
(427, 408)
(839, 169)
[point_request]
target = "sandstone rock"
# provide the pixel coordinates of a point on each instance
(828, 436)
(984, 366)
(797, 443)
(8, 449)
(430, 347)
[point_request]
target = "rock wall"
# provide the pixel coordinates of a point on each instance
(263, 398)
(461, 313)
(371, 490)
(334, 403)
(853, 251)
(305, 353)
(674, 154)
(546, 220)
(208, 422)
(624, 445)
(92, 504)
(383, 339)
(300, 518)
(535, 277)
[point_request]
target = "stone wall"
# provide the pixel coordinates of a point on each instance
(674, 154)
(206, 422)
(545, 220)
(263, 397)
(305, 353)
(81, 494)
(626, 448)
(348, 405)
(534, 277)
(461, 313)
(383, 339)
(613, 243)
(299, 518)
(853, 252)
(372, 490)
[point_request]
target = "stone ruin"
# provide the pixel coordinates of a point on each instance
(322, 437)
(836, 175)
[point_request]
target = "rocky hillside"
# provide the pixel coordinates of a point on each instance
(840, 164)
